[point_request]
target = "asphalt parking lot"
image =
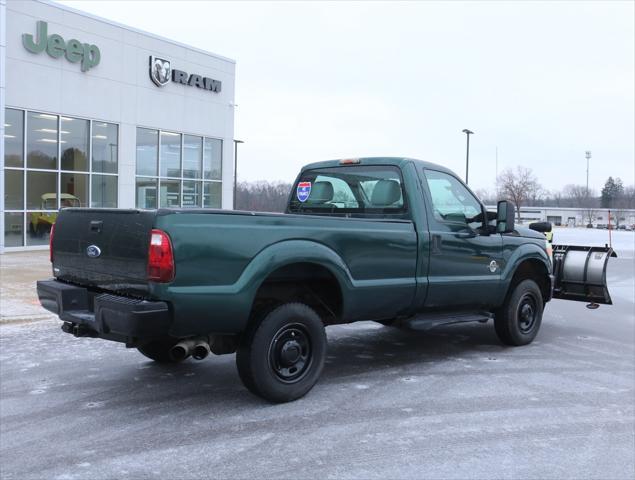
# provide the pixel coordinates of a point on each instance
(449, 403)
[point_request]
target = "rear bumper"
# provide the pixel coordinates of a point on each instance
(95, 314)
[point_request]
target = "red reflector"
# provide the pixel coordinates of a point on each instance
(51, 242)
(160, 257)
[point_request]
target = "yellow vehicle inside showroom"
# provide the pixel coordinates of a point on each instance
(41, 222)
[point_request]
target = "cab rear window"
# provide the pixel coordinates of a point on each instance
(346, 190)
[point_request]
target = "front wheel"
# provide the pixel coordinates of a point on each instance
(517, 322)
(282, 358)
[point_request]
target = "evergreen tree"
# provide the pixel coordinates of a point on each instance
(612, 192)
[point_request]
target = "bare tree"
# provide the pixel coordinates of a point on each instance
(577, 193)
(262, 196)
(629, 197)
(485, 196)
(518, 186)
(588, 214)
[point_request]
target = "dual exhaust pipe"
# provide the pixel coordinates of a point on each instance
(197, 347)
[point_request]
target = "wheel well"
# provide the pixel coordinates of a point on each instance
(308, 283)
(535, 270)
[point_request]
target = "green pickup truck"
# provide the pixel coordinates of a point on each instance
(395, 240)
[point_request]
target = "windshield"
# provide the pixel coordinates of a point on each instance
(349, 190)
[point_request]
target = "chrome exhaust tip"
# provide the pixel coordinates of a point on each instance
(200, 351)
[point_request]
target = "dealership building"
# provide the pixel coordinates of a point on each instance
(98, 114)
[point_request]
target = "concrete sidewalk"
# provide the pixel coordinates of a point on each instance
(18, 273)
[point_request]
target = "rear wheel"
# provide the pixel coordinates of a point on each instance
(517, 322)
(159, 351)
(282, 358)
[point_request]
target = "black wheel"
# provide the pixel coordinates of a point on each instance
(517, 322)
(283, 356)
(159, 351)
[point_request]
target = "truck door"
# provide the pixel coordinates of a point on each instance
(464, 267)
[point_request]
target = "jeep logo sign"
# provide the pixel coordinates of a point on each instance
(74, 50)
(161, 72)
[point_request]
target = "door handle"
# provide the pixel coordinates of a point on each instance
(470, 234)
(436, 244)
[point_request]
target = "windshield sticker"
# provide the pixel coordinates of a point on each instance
(303, 191)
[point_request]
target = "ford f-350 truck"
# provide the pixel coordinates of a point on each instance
(394, 240)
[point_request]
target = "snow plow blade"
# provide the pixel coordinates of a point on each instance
(580, 273)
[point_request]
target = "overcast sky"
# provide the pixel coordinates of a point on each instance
(542, 81)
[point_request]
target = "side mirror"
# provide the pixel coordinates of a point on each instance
(505, 216)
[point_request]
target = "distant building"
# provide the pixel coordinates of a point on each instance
(575, 217)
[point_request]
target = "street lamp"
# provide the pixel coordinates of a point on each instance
(467, 154)
(236, 142)
(587, 154)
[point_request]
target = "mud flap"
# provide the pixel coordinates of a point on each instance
(580, 273)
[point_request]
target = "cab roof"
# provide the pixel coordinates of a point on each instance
(395, 161)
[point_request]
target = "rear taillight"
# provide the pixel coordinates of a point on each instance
(51, 242)
(160, 258)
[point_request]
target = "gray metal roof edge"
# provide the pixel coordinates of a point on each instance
(51, 3)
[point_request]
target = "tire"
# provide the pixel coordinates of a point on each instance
(159, 351)
(281, 358)
(517, 322)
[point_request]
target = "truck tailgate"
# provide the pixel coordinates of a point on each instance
(106, 249)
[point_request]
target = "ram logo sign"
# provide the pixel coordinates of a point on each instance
(161, 73)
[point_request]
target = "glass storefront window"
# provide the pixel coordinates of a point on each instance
(105, 146)
(192, 154)
(41, 137)
(37, 187)
(170, 194)
(39, 224)
(191, 193)
(146, 192)
(147, 151)
(13, 138)
(184, 160)
(41, 190)
(74, 190)
(170, 155)
(212, 159)
(13, 189)
(212, 194)
(13, 229)
(74, 142)
(104, 191)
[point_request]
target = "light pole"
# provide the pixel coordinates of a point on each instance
(467, 154)
(236, 142)
(587, 154)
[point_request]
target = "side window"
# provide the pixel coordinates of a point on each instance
(451, 201)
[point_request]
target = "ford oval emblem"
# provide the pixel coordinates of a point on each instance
(93, 251)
